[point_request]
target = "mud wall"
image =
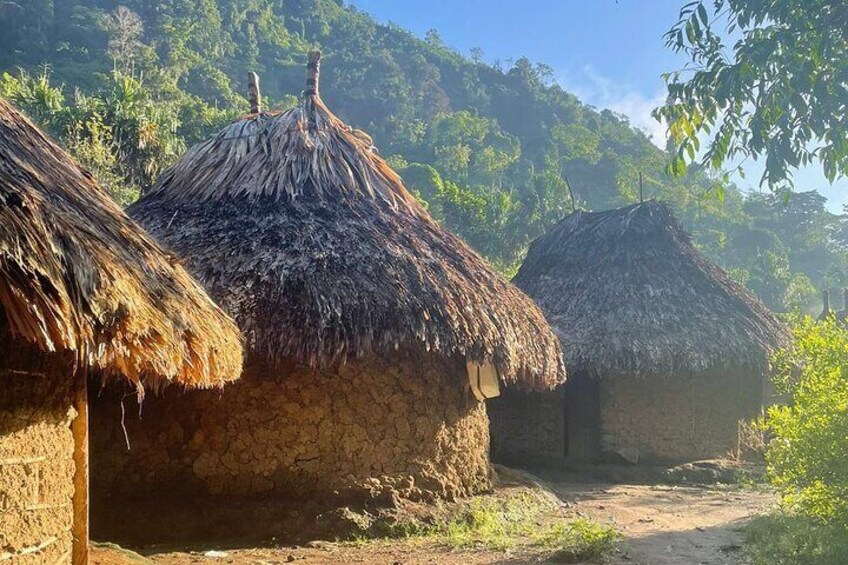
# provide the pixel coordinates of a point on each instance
(528, 426)
(406, 427)
(36, 468)
(677, 418)
(654, 419)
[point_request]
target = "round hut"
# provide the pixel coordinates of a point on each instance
(83, 292)
(665, 353)
(373, 333)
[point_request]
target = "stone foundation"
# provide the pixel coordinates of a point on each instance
(36, 468)
(406, 427)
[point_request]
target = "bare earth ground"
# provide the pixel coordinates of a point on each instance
(662, 525)
(666, 525)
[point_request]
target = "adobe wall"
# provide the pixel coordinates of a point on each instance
(656, 419)
(36, 468)
(405, 427)
(677, 418)
(528, 426)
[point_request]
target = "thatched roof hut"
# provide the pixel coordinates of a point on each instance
(363, 317)
(302, 232)
(632, 299)
(76, 274)
(82, 288)
(628, 294)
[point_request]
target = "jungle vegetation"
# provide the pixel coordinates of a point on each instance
(497, 151)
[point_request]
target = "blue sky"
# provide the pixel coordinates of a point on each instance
(609, 53)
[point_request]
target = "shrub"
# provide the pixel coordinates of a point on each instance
(808, 456)
(793, 539)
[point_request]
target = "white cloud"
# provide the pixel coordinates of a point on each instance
(595, 89)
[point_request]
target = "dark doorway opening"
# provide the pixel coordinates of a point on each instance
(583, 418)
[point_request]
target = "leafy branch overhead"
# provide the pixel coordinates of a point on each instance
(765, 79)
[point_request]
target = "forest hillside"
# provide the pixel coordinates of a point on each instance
(498, 152)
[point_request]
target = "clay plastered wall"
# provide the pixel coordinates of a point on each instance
(408, 424)
(36, 468)
(528, 426)
(677, 418)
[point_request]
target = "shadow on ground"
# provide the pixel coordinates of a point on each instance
(663, 524)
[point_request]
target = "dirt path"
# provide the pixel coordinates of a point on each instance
(662, 525)
(665, 525)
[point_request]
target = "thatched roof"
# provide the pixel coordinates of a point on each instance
(77, 275)
(310, 240)
(628, 294)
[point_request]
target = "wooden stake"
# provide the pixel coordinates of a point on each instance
(313, 73)
(825, 304)
(79, 429)
(570, 193)
(641, 194)
(253, 91)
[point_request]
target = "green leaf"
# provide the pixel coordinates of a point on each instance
(702, 13)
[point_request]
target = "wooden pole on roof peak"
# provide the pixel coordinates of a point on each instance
(313, 73)
(825, 304)
(570, 193)
(253, 91)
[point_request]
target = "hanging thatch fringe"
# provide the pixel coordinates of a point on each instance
(629, 295)
(76, 274)
(310, 240)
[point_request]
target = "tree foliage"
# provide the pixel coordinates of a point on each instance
(120, 132)
(808, 457)
(498, 153)
(778, 93)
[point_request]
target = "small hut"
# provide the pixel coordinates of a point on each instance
(83, 292)
(373, 333)
(665, 353)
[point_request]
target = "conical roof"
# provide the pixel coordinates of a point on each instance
(628, 294)
(309, 239)
(77, 275)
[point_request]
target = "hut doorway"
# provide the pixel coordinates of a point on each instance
(583, 418)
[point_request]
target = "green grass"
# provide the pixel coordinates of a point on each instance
(580, 540)
(526, 521)
(788, 539)
(490, 523)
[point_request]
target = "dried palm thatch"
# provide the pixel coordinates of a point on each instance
(310, 240)
(628, 294)
(77, 275)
